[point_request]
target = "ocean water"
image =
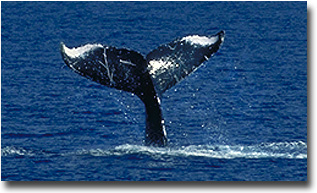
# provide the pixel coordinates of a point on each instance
(241, 117)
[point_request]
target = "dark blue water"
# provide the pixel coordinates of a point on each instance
(242, 116)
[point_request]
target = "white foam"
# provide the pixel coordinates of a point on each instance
(200, 40)
(284, 150)
(79, 51)
(7, 151)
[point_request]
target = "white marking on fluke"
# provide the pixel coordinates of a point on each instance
(127, 62)
(79, 51)
(158, 64)
(106, 65)
(200, 40)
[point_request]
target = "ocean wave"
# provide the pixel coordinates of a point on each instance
(285, 150)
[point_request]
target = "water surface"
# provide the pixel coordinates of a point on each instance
(241, 116)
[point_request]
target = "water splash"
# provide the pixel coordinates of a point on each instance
(16, 151)
(284, 150)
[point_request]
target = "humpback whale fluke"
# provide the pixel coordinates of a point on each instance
(147, 77)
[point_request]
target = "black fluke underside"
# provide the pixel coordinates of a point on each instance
(147, 77)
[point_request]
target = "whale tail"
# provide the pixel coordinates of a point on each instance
(147, 77)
